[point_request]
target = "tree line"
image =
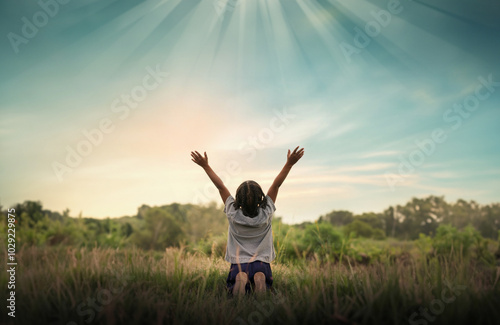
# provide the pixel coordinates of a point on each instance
(205, 226)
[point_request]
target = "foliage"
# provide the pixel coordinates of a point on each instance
(213, 246)
(159, 230)
(338, 218)
(359, 228)
(286, 239)
(465, 228)
(449, 240)
(372, 219)
(322, 238)
(424, 244)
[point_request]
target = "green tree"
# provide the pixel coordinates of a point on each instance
(374, 220)
(160, 230)
(488, 222)
(421, 216)
(204, 221)
(462, 213)
(322, 238)
(449, 239)
(126, 229)
(359, 228)
(28, 213)
(338, 218)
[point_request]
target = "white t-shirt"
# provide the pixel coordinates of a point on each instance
(249, 239)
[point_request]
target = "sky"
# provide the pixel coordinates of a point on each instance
(101, 102)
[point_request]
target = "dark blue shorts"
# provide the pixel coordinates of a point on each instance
(250, 269)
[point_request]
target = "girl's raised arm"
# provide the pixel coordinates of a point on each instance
(291, 159)
(203, 162)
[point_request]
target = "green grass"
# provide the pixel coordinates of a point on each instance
(53, 286)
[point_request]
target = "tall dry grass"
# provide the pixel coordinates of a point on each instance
(65, 285)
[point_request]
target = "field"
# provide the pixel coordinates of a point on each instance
(68, 285)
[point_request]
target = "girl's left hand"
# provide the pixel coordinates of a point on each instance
(199, 159)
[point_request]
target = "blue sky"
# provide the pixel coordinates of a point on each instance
(102, 101)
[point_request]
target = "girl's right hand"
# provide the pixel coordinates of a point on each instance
(294, 156)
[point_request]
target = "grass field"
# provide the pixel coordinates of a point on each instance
(64, 285)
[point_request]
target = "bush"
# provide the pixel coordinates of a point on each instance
(214, 246)
(160, 230)
(359, 228)
(285, 239)
(323, 239)
(448, 239)
(424, 244)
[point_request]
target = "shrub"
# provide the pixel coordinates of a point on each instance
(359, 228)
(448, 239)
(285, 239)
(322, 238)
(160, 230)
(214, 246)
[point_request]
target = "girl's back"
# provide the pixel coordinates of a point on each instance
(249, 238)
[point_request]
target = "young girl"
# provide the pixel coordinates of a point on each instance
(250, 246)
